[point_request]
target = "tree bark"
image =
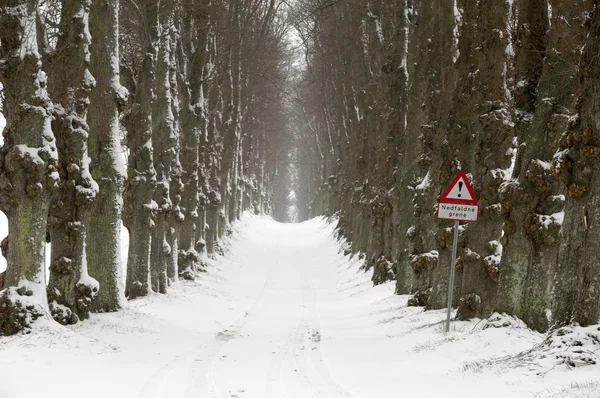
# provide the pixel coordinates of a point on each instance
(193, 113)
(103, 216)
(481, 136)
(140, 207)
(70, 289)
(28, 161)
(165, 155)
(577, 164)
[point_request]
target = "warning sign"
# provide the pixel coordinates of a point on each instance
(458, 202)
(459, 191)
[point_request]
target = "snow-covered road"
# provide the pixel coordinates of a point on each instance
(273, 349)
(282, 314)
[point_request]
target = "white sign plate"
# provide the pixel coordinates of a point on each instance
(447, 211)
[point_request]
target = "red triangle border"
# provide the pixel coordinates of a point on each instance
(445, 199)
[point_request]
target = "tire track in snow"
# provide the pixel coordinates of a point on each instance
(179, 376)
(297, 359)
(275, 384)
(308, 358)
(214, 351)
(302, 347)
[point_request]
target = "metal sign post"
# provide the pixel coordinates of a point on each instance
(458, 203)
(451, 283)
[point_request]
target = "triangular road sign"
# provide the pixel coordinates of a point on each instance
(459, 191)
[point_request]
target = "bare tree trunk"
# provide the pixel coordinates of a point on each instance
(532, 38)
(140, 207)
(71, 290)
(103, 217)
(577, 164)
(175, 215)
(165, 155)
(193, 113)
(481, 136)
(28, 161)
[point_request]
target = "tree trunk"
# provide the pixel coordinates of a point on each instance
(103, 217)
(71, 290)
(530, 44)
(529, 264)
(165, 155)
(28, 161)
(577, 163)
(175, 215)
(481, 135)
(195, 38)
(140, 208)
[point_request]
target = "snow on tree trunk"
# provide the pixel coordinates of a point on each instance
(577, 164)
(193, 114)
(528, 267)
(174, 216)
(102, 217)
(518, 250)
(28, 161)
(140, 206)
(165, 155)
(408, 168)
(481, 133)
(436, 153)
(71, 289)
(231, 119)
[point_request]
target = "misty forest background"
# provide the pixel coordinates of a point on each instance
(174, 117)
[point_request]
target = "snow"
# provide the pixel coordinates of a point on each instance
(3, 219)
(495, 259)
(30, 154)
(432, 254)
(29, 42)
(120, 91)
(425, 183)
(506, 174)
(152, 206)
(3, 234)
(455, 30)
(558, 158)
(407, 12)
(524, 117)
(88, 79)
(378, 28)
(358, 115)
(85, 279)
(556, 218)
(284, 313)
(510, 52)
(544, 165)
(548, 101)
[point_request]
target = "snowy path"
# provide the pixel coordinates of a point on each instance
(282, 314)
(274, 348)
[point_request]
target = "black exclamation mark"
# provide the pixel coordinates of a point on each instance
(460, 185)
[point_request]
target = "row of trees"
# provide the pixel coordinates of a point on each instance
(399, 95)
(164, 114)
